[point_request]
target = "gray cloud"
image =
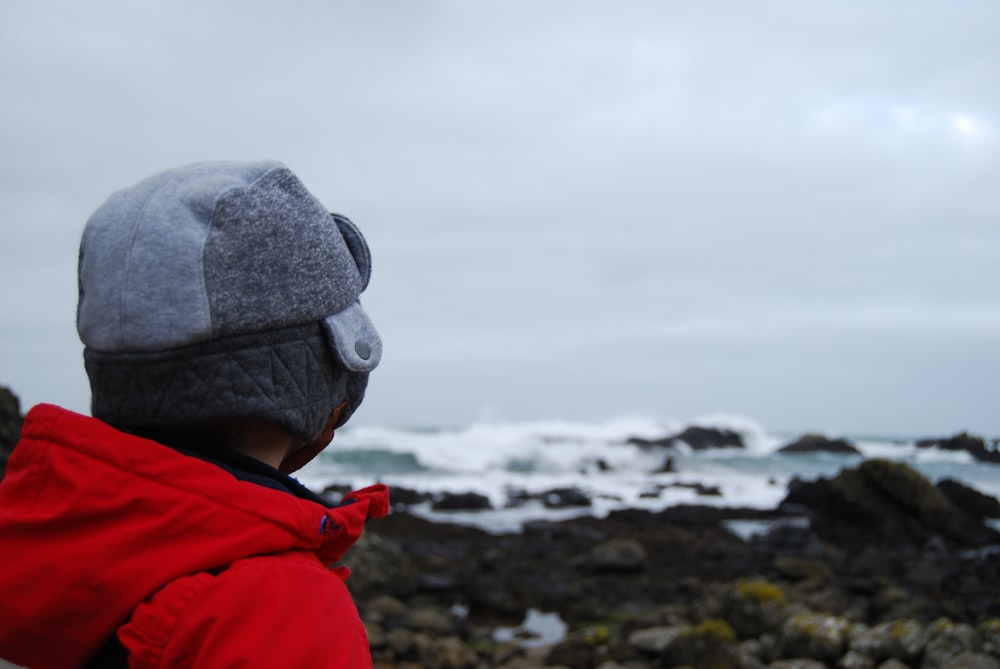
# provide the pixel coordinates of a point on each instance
(779, 209)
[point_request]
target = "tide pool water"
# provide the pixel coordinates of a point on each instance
(494, 459)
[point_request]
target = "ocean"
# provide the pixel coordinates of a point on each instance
(497, 459)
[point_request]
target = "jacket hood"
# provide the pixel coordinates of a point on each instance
(93, 521)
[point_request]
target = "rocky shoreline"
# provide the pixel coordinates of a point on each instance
(876, 567)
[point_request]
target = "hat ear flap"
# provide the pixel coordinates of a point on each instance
(358, 247)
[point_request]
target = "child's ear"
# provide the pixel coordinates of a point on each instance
(298, 458)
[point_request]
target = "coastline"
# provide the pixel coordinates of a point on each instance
(677, 587)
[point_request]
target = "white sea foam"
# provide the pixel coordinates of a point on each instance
(493, 458)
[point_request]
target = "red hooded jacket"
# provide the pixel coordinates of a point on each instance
(103, 531)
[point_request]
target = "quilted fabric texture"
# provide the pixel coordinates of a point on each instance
(220, 291)
(287, 376)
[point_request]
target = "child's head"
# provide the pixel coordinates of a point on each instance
(224, 292)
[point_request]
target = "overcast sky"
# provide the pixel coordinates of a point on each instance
(786, 210)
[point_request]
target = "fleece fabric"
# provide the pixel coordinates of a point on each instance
(191, 273)
(104, 532)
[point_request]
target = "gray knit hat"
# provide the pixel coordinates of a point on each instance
(219, 291)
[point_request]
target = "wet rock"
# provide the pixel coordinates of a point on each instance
(621, 554)
(711, 643)
(403, 497)
(379, 566)
(882, 502)
(444, 653)
(754, 607)
(401, 642)
(667, 467)
(974, 446)
(798, 568)
(797, 663)
(582, 649)
(561, 498)
(384, 608)
(814, 443)
(700, 489)
(973, 660)
(752, 654)
(698, 438)
(947, 640)
(703, 438)
(814, 635)
(708, 644)
(433, 621)
(901, 639)
(893, 664)
(987, 637)
(969, 499)
(654, 640)
(460, 501)
(855, 660)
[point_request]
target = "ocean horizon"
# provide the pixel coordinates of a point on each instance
(511, 460)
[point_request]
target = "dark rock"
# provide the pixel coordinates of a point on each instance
(581, 649)
(668, 466)
(947, 641)
(379, 565)
(703, 438)
(11, 421)
(700, 489)
(560, 498)
(975, 446)
(969, 499)
(818, 636)
(754, 607)
(621, 554)
(455, 501)
(403, 497)
(971, 660)
(885, 503)
(698, 438)
(814, 443)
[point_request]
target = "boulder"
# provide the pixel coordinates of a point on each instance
(754, 607)
(973, 660)
(621, 554)
(561, 498)
(582, 649)
(969, 499)
(987, 637)
(814, 443)
(379, 565)
(819, 636)
(902, 639)
(698, 438)
(948, 640)
(974, 446)
(708, 644)
(460, 501)
(881, 502)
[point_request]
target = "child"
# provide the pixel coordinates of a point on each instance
(224, 343)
